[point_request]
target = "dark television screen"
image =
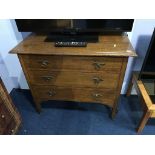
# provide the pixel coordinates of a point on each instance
(79, 25)
(148, 68)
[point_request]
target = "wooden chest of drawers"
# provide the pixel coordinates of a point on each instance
(89, 74)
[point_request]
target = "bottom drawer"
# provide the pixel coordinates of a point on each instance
(105, 96)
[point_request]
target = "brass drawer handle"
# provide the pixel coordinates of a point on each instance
(97, 80)
(98, 65)
(51, 93)
(96, 95)
(47, 78)
(44, 63)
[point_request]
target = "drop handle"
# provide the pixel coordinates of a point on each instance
(97, 80)
(44, 63)
(96, 96)
(51, 93)
(98, 65)
(47, 78)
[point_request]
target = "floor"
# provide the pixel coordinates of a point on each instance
(73, 118)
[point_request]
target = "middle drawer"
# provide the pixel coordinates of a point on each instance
(103, 79)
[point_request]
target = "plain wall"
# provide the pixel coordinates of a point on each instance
(10, 68)
(140, 39)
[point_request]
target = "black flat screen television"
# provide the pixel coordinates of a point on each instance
(148, 67)
(74, 28)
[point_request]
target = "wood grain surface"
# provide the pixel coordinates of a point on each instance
(117, 45)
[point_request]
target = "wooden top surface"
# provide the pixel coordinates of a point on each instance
(107, 46)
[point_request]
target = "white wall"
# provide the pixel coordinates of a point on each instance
(140, 39)
(10, 69)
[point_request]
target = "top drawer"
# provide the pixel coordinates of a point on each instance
(71, 62)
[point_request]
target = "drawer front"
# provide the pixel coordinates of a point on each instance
(72, 63)
(74, 78)
(105, 96)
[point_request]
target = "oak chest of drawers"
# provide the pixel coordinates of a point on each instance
(85, 74)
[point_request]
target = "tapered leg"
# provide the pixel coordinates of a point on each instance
(129, 88)
(114, 112)
(143, 121)
(38, 106)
